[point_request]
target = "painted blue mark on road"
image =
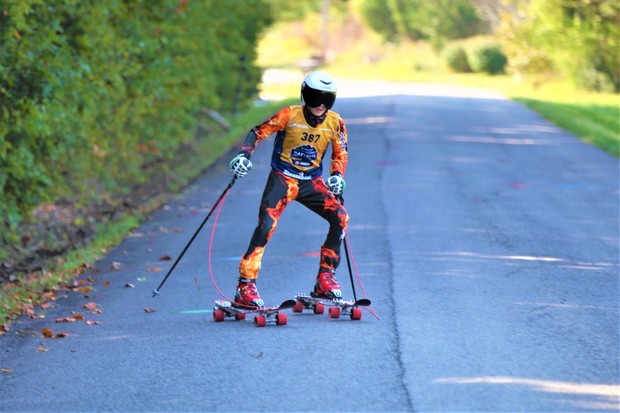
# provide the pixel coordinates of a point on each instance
(196, 311)
(231, 258)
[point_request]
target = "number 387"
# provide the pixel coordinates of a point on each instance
(310, 137)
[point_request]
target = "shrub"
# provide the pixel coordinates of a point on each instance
(487, 58)
(92, 91)
(456, 58)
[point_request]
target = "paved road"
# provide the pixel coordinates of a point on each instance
(486, 238)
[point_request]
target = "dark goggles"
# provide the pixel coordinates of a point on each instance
(314, 98)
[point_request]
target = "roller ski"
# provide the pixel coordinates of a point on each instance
(264, 315)
(248, 301)
(327, 293)
(337, 306)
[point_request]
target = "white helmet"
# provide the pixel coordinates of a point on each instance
(318, 87)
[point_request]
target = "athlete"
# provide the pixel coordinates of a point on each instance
(303, 134)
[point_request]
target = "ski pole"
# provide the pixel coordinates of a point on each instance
(232, 182)
(346, 253)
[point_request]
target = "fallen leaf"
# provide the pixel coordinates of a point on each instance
(7, 371)
(66, 320)
(154, 269)
(62, 334)
(86, 289)
(92, 323)
(94, 307)
(43, 349)
(115, 266)
(106, 283)
(165, 258)
(129, 285)
(75, 317)
(141, 278)
(47, 333)
(149, 310)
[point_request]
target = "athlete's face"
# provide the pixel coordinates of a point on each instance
(318, 111)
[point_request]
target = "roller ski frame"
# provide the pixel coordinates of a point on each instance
(337, 306)
(226, 309)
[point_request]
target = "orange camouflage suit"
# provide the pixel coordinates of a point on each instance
(296, 175)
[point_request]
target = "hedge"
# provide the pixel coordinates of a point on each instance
(92, 91)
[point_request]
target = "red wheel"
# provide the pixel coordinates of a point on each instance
(299, 307)
(240, 316)
(218, 315)
(334, 312)
(260, 321)
(319, 308)
(356, 314)
(281, 319)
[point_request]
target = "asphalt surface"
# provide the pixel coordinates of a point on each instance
(486, 238)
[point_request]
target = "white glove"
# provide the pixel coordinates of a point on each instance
(335, 184)
(240, 165)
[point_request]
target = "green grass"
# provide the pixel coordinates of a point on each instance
(597, 124)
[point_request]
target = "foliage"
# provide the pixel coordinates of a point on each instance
(285, 10)
(578, 38)
(436, 21)
(456, 58)
(91, 92)
(487, 58)
(380, 19)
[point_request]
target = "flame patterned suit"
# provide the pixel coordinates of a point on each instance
(296, 175)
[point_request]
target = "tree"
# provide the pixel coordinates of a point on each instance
(436, 21)
(578, 38)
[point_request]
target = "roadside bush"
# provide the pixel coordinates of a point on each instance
(589, 78)
(93, 92)
(580, 38)
(487, 58)
(456, 58)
